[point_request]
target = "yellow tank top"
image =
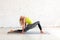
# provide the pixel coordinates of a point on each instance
(28, 20)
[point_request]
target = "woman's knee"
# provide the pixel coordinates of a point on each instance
(38, 21)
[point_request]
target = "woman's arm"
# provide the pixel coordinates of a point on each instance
(23, 24)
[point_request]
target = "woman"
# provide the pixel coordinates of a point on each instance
(27, 24)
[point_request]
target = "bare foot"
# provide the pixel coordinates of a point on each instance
(11, 30)
(42, 32)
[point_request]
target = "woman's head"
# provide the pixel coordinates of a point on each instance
(21, 18)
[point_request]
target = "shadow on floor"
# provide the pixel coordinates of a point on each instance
(30, 33)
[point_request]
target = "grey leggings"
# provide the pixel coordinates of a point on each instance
(30, 26)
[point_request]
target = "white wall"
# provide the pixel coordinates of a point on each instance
(46, 11)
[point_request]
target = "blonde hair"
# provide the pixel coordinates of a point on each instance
(21, 18)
